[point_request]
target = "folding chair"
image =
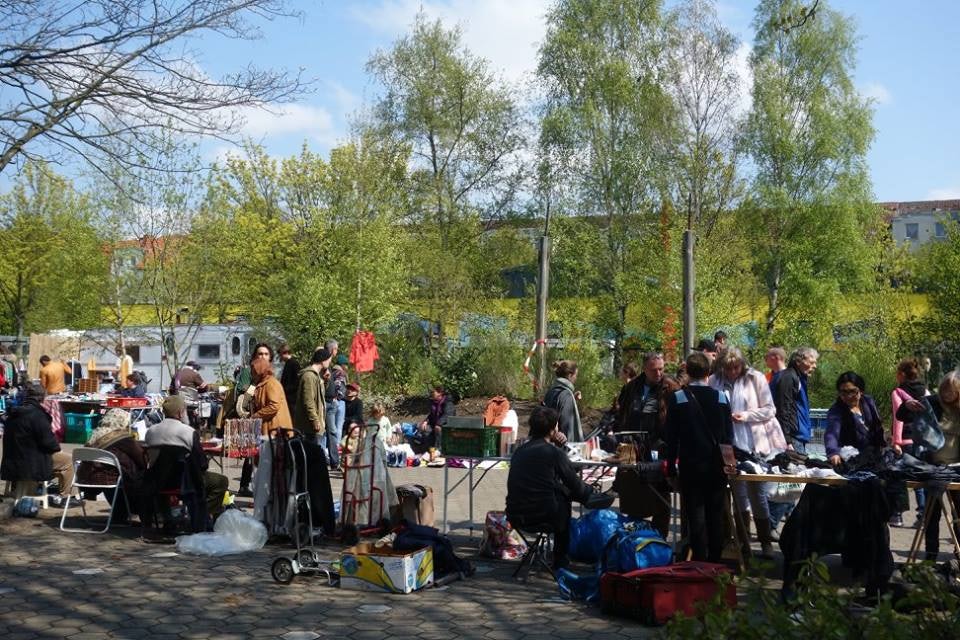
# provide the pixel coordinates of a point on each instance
(536, 551)
(86, 454)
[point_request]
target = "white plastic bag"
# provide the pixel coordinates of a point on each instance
(234, 532)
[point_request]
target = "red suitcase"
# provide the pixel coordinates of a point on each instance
(653, 596)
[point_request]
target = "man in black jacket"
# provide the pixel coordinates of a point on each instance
(791, 399)
(30, 450)
(542, 484)
(639, 410)
(698, 422)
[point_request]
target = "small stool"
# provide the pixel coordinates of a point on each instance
(28, 489)
(536, 552)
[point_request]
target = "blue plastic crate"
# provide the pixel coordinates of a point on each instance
(79, 427)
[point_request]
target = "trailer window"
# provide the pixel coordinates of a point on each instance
(208, 351)
(133, 350)
(235, 345)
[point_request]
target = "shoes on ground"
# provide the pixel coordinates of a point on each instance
(72, 501)
(244, 492)
(896, 520)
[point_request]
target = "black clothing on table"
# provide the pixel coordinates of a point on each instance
(850, 519)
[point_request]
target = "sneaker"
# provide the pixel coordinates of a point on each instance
(918, 523)
(896, 520)
(72, 501)
(244, 492)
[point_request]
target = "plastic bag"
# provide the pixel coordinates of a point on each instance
(584, 587)
(234, 532)
(499, 538)
(637, 547)
(590, 532)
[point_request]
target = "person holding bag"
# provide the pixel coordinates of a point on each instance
(699, 433)
(945, 406)
(909, 385)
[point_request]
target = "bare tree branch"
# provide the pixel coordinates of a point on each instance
(74, 73)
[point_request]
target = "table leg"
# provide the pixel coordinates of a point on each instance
(739, 528)
(952, 523)
(470, 481)
(918, 536)
(446, 493)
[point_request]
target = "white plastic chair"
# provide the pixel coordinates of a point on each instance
(86, 454)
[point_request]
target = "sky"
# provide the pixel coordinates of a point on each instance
(908, 63)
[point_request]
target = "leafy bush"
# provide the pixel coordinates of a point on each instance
(457, 371)
(499, 365)
(822, 609)
(875, 363)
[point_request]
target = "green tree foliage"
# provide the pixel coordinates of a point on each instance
(607, 122)
(464, 131)
(809, 216)
(315, 248)
(53, 259)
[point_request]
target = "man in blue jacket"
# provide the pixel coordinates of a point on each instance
(791, 399)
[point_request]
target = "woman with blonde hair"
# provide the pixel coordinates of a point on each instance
(755, 431)
(946, 406)
(563, 398)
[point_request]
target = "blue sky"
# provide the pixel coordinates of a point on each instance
(908, 61)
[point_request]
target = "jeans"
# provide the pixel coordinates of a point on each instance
(336, 410)
(778, 510)
(754, 496)
(798, 445)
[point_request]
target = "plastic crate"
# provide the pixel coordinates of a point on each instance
(126, 403)
(79, 427)
(471, 443)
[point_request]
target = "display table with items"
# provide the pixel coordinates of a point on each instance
(846, 510)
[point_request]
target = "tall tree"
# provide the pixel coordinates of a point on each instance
(809, 214)
(609, 116)
(77, 74)
(704, 84)
(53, 259)
(465, 134)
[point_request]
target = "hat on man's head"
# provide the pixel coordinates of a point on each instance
(353, 386)
(342, 360)
(193, 365)
(173, 406)
(706, 345)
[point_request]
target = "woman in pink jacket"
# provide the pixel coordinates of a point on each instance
(755, 430)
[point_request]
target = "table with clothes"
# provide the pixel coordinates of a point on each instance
(846, 509)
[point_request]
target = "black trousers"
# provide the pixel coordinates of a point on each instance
(703, 498)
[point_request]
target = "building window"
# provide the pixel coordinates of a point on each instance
(913, 230)
(940, 230)
(208, 351)
(235, 345)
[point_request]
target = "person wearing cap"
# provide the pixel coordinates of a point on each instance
(708, 348)
(173, 431)
(353, 414)
(310, 411)
(188, 376)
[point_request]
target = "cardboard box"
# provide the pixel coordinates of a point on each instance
(367, 568)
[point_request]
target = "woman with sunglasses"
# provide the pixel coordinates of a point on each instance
(853, 420)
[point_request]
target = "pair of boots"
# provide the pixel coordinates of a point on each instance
(764, 535)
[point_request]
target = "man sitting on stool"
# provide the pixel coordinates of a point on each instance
(172, 431)
(542, 484)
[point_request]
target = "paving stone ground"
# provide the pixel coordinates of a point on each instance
(128, 589)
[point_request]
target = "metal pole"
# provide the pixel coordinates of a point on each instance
(543, 289)
(689, 285)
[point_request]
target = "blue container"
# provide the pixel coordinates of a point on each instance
(79, 427)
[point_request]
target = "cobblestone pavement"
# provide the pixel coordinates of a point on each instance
(55, 584)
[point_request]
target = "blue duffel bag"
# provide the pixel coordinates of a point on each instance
(636, 547)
